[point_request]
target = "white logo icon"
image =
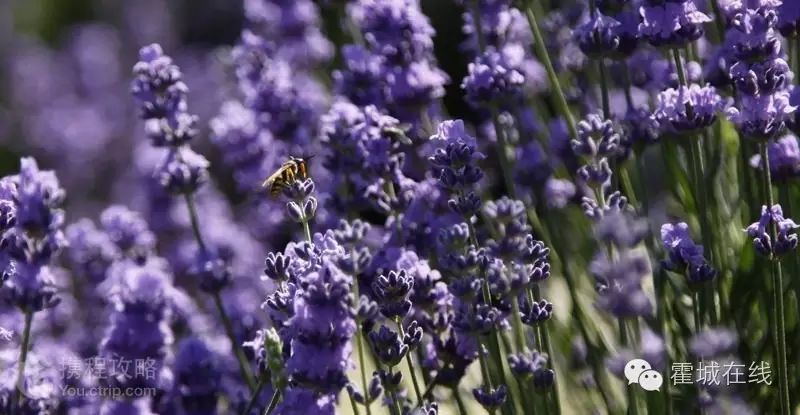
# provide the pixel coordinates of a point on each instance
(651, 380)
(639, 371)
(634, 368)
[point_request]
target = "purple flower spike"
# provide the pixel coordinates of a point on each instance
(762, 117)
(688, 109)
(784, 158)
(183, 171)
(494, 76)
(361, 79)
(157, 84)
(761, 232)
(276, 266)
(320, 329)
(491, 399)
(139, 324)
(32, 236)
(596, 137)
(388, 346)
(392, 293)
(671, 23)
(683, 254)
(598, 36)
(536, 313)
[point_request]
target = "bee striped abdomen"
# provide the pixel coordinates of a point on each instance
(285, 175)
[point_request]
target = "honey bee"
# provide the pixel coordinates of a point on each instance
(398, 133)
(296, 168)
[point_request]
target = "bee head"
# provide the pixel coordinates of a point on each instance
(304, 157)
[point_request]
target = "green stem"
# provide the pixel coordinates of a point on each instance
(519, 339)
(544, 334)
(307, 230)
(601, 69)
(593, 350)
(427, 123)
(506, 168)
(627, 184)
(352, 29)
(237, 349)
(797, 55)
(360, 345)
(243, 366)
(410, 364)
(698, 320)
(502, 151)
(661, 316)
(702, 205)
(642, 178)
(354, 405)
(498, 358)
(544, 58)
(777, 287)
(676, 54)
(462, 409)
(519, 333)
(395, 403)
(253, 397)
(276, 397)
(718, 20)
(633, 406)
(487, 299)
(475, 11)
(780, 322)
(626, 80)
(485, 373)
(195, 223)
(23, 357)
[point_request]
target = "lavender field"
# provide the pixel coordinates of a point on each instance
(421, 207)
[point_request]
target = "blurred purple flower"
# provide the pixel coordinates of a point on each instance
(713, 342)
(292, 30)
(493, 76)
(244, 146)
(784, 158)
(671, 23)
(128, 231)
(688, 109)
(139, 327)
(90, 250)
(762, 117)
(683, 254)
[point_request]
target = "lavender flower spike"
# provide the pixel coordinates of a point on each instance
(32, 198)
(688, 109)
(683, 254)
(671, 23)
(762, 117)
(761, 232)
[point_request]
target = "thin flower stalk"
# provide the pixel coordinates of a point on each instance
(778, 296)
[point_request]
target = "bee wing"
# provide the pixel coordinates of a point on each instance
(270, 180)
(399, 133)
